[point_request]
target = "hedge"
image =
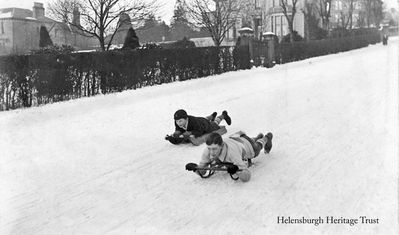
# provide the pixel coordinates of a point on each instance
(288, 52)
(31, 80)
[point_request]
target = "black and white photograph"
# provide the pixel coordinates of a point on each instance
(199, 117)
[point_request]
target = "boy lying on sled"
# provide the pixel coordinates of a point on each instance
(231, 154)
(189, 128)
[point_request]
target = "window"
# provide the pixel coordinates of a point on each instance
(257, 4)
(278, 26)
(272, 24)
(276, 3)
(284, 28)
(258, 22)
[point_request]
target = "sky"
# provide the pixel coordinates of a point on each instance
(166, 11)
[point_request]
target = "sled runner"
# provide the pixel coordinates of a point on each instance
(210, 170)
(194, 140)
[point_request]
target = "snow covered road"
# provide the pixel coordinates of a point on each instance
(100, 165)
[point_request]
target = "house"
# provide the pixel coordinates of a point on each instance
(276, 22)
(267, 16)
(339, 15)
(20, 30)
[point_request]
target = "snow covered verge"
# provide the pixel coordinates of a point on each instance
(100, 165)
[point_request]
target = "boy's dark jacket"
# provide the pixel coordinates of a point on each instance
(198, 126)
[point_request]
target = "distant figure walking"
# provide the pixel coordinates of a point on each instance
(385, 40)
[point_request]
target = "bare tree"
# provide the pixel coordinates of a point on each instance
(377, 11)
(324, 8)
(361, 19)
(253, 15)
(372, 12)
(367, 4)
(60, 10)
(346, 14)
(98, 18)
(289, 11)
(247, 9)
(217, 16)
(351, 7)
(309, 11)
(266, 21)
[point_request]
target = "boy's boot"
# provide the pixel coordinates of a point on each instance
(259, 136)
(268, 145)
(226, 117)
(212, 116)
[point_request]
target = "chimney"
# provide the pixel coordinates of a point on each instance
(38, 10)
(76, 17)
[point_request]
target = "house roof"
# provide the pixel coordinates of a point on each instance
(17, 13)
(24, 14)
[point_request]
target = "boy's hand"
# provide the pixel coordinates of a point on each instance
(186, 134)
(176, 134)
(191, 167)
(174, 140)
(232, 169)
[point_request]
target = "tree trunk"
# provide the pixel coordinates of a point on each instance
(216, 41)
(93, 85)
(291, 28)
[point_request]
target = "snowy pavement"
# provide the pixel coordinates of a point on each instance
(100, 165)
